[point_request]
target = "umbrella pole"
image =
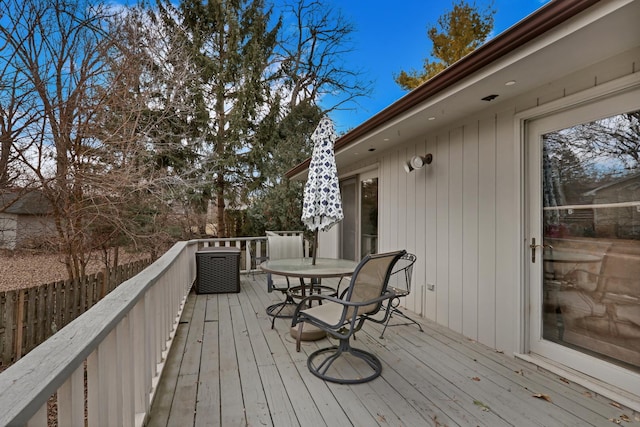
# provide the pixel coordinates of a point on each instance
(315, 246)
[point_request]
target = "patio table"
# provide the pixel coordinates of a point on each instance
(565, 257)
(303, 268)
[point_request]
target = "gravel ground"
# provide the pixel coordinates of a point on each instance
(23, 269)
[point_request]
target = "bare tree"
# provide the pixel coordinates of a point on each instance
(56, 49)
(313, 80)
(616, 137)
(100, 100)
(16, 115)
(314, 42)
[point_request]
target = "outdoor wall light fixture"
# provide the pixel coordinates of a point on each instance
(417, 162)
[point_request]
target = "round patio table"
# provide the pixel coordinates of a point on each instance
(567, 257)
(303, 268)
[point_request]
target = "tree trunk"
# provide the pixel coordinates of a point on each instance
(222, 232)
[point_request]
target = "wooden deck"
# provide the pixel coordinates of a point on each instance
(228, 368)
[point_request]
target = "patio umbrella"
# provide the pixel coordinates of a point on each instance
(322, 205)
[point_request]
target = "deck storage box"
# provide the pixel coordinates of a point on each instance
(218, 270)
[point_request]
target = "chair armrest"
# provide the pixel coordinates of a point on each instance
(388, 295)
(260, 259)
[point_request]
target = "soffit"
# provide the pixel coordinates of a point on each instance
(602, 31)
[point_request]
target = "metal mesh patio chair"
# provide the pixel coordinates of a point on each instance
(342, 317)
(281, 247)
(400, 284)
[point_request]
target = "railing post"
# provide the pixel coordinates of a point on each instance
(71, 400)
(125, 387)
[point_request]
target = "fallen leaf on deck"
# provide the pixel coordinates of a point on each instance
(521, 372)
(615, 420)
(617, 405)
(587, 394)
(481, 405)
(542, 396)
(625, 417)
(475, 379)
(500, 351)
(564, 380)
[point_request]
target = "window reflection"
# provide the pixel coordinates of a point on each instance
(369, 216)
(591, 199)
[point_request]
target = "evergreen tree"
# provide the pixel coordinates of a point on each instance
(231, 45)
(258, 92)
(457, 33)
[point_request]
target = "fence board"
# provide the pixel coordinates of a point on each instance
(29, 316)
(30, 323)
(49, 313)
(59, 304)
(9, 330)
(41, 317)
(3, 323)
(19, 323)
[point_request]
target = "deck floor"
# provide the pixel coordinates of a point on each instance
(227, 367)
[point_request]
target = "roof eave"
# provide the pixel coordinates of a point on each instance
(539, 22)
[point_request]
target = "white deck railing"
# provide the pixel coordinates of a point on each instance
(121, 344)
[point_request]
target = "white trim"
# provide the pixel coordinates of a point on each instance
(593, 206)
(611, 98)
(522, 321)
(360, 171)
(604, 389)
(587, 96)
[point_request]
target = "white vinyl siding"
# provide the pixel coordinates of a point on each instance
(463, 217)
(447, 213)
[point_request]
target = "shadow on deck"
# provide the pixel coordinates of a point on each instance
(228, 368)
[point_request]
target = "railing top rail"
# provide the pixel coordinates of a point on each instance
(242, 239)
(27, 384)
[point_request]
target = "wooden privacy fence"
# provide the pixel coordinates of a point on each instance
(30, 316)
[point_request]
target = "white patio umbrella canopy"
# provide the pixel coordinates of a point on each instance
(322, 205)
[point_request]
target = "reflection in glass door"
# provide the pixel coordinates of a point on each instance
(368, 216)
(590, 248)
(349, 225)
(359, 228)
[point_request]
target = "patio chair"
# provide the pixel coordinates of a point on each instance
(400, 284)
(280, 247)
(342, 317)
(255, 261)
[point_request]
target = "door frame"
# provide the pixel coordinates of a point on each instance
(609, 99)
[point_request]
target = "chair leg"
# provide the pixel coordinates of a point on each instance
(275, 310)
(399, 313)
(334, 353)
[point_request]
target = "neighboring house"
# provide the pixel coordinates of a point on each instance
(474, 215)
(24, 219)
(623, 222)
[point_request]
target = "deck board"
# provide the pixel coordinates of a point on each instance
(228, 367)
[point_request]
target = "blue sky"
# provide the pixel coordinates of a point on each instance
(391, 36)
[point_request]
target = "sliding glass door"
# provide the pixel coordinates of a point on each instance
(359, 229)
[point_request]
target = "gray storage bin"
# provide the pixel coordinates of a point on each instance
(218, 270)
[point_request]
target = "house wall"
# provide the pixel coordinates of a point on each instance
(463, 215)
(33, 230)
(460, 216)
(8, 224)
